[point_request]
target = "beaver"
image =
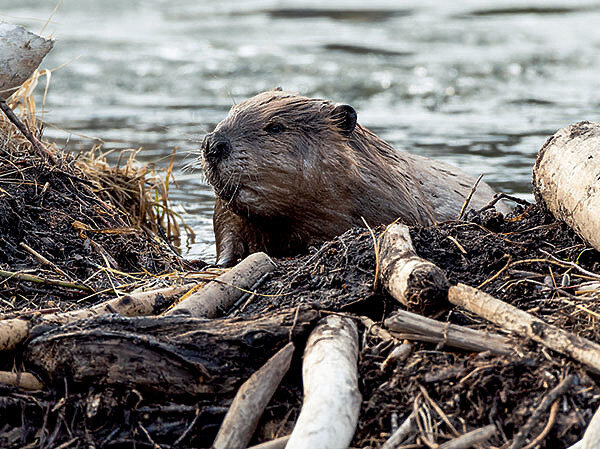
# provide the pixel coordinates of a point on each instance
(290, 171)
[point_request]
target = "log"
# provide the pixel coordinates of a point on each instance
(470, 439)
(220, 294)
(591, 437)
(526, 325)
(16, 330)
(331, 397)
(25, 381)
(449, 334)
(174, 356)
(21, 52)
(250, 401)
(565, 178)
(418, 284)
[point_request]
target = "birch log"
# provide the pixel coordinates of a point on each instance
(524, 324)
(14, 331)
(331, 398)
(566, 178)
(21, 52)
(250, 401)
(222, 293)
(415, 282)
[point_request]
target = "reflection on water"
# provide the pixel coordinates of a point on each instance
(477, 83)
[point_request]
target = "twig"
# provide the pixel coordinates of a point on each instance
(188, 429)
(40, 280)
(36, 144)
(468, 199)
(546, 430)
(497, 275)
(555, 393)
(42, 259)
(500, 196)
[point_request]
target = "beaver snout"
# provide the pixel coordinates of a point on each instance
(215, 147)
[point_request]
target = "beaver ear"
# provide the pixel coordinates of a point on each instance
(345, 118)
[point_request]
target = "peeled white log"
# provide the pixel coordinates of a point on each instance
(566, 178)
(524, 324)
(331, 398)
(415, 282)
(219, 295)
(21, 52)
(250, 401)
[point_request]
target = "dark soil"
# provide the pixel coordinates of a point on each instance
(60, 214)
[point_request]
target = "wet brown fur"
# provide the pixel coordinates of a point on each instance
(281, 193)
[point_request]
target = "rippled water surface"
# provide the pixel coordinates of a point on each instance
(477, 83)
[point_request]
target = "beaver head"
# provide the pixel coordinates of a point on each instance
(283, 157)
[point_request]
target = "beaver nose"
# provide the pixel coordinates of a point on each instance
(216, 146)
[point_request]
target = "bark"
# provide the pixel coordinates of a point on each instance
(21, 52)
(449, 334)
(526, 325)
(220, 294)
(331, 398)
(16, 330)
(565, 178)
(250, 401)
(418, 284)
(171, 356)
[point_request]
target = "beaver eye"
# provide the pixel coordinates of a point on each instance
(274, 128)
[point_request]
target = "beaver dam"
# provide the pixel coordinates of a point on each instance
(90, 360)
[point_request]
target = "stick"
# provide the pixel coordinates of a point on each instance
(40, 280)
(16, 330)
(562, 387)
(331, 398)
(250, 401)
(468, 199)
(525, 324)
(450, 334)
(407, 428)
(278, 443)
(25, 381)
(415, 282)
(220, 294)
(470, 439)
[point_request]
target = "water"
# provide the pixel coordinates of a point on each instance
(477, 83)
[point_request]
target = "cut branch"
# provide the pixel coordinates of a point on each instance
(250, 401)
(418, 284)
(220, 294)
(526, 325)
(450, 334)
(331, 398)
